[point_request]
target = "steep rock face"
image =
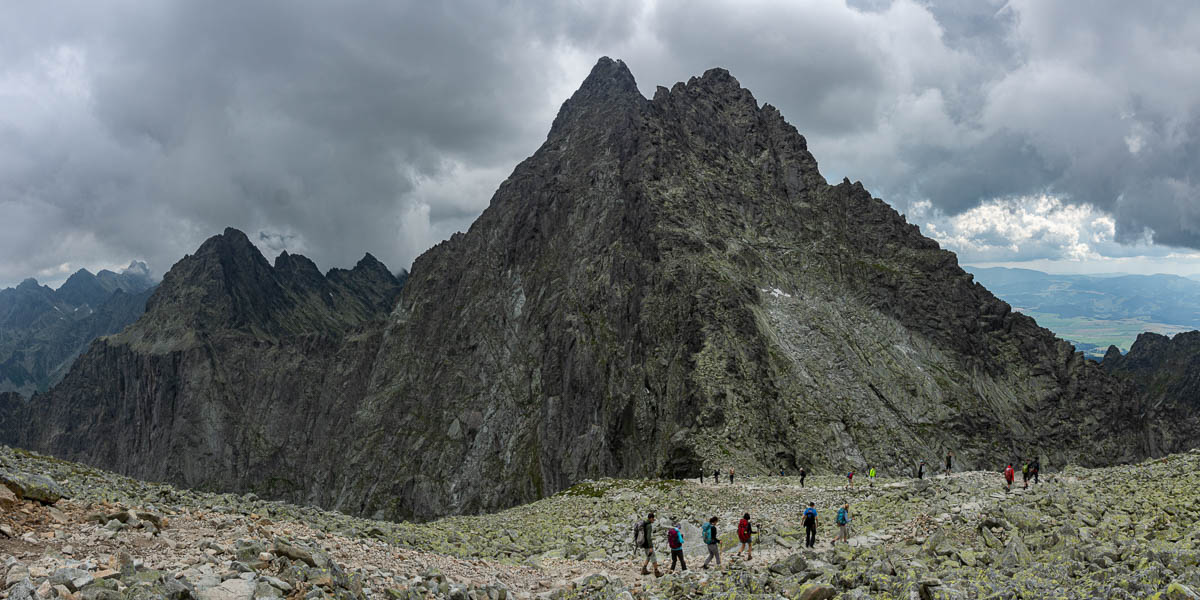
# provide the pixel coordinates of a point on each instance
(42, 330)
(665, 285)
(1166, 373)
(234, 377)
(670, 284)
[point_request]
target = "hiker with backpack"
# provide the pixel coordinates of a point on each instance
(843, 523)
(810, 525)
(803, 474)
(921, 470)
(1034, 468)
(717, 476)
(850, 479)
(1025, 475)
(1009, 476)
(710, 539)
(949, 463)
(675, 542)
(643, 539)
(731, 475)
(871, 476)
(745, 533)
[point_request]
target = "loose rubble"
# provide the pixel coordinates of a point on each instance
(71, 532)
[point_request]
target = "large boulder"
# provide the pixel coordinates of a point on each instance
(32, 486)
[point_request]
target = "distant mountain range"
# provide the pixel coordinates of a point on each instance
(1096, 311)
(42, 330)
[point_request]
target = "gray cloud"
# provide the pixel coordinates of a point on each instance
(135, 129)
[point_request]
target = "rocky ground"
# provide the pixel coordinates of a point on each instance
(76, 533)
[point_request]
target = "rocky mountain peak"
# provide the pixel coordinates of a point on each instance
(608, 78)
(606, 100)
(229, 286)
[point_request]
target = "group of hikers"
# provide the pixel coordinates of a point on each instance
(1029, 471)
(643, 535)
(643, 538)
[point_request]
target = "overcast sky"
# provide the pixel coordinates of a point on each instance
(1062, 135)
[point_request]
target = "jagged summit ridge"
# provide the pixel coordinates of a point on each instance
(229, 285)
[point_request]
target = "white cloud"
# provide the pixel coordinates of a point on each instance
(1024, 228)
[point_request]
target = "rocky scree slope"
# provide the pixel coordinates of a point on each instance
(42, 330)
(238, 372)
(1122, 532)
(666, 285)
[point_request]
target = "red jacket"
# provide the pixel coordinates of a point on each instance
(1009, 473)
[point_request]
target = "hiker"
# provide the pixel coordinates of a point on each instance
(803, 474)
(1034, 468)
(949, 462)
(921, 470)
(1025, 476)
(710, 539)
(717, 476)
(675, 542)
(701, 476)
(871, 476)
(731, 475)
(850, 479)
(810, 525)
(745, 531)
(1009, 475)
(781, 472)
(643, 538)
(843, 523)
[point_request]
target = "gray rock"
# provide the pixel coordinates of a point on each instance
(32, 486)
(230, 589)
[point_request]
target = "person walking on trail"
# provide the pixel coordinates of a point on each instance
(643, 538)
(810, 525)
(745, 536)
(730, 475)
(803, 474)
(850, 479)
(1025, 475)
(871, 476)
(1034, 468)
(709, 533)
(717, 476)
(781, 472)
(921, 470)
(675, 542)
(843, 523)
(1009, 476)
(949, 462)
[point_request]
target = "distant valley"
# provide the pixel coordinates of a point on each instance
(1096, 311)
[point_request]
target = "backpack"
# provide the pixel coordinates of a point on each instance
(710, 533)
(810, 517)
(743, 529)
(639, 534)
(673, 538)
(1025, 469)
(841, 517)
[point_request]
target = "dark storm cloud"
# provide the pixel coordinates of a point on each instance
(136, 129)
